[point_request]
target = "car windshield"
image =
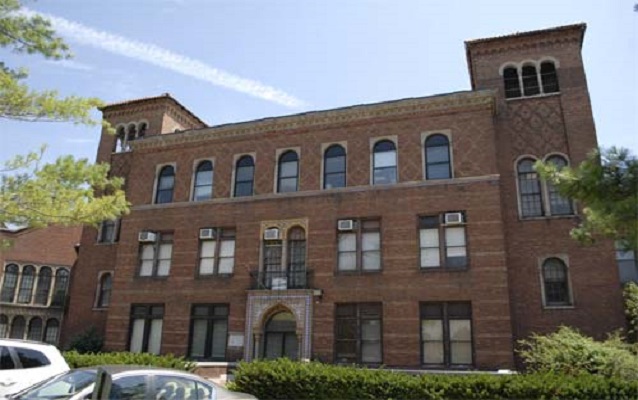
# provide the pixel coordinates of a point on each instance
(61, 387)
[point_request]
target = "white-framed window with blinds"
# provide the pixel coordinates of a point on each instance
(446, 334)
(359, 247)
(216, 251)
(146, 328)
(155, 256)
(443, 244)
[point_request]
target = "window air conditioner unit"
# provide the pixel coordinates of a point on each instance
(279, 284)
(271, 234)
(146, 236)
(345, 225)
(207, 233)
(453, 218)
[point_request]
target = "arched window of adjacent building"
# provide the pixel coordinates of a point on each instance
(9, 283)
(59, 289)
(203, 186)
(165, 185)
(26, 284)
(334, 167)
(244, 176)
(384, 163)
(51, 331)
(437, 157)
(288, 172)
(556, 283)
(35, 329)
(558, 205)
(529, 189)
(512, 84)
(530, 81)
(141, 130)
(4, 326)
(104, 291)
(18, 326)
(131, 134)
(549, 77)
(297, 258)
(44, 286)
(120, 139)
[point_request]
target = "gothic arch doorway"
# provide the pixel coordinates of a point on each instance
(280, 337)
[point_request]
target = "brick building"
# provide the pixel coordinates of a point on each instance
(410, 233)
(34, 281)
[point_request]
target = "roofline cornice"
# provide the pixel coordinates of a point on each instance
(446, 103)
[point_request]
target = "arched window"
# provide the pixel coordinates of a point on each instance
(9, 283)
(141, 131)
(120, 138)
(334, 167)
(18, 326)
(104, 291)
(131, 134)
(59, 290)
(556, 283)
(437, 157)
(288, 172)
(35, 329)
(297, 258)
(529, 189)
(4, 326)
(44, 286)
(530, 81)
(203, 186)
(280, 337)
(512, 85)
(26, 284)
(244, 176)
(384, 163)
(558, 205)
(51, 331)
(549, 77)
(165, 185)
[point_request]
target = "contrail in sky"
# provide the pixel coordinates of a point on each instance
(163, 58)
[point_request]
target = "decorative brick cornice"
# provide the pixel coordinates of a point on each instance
(444, 103)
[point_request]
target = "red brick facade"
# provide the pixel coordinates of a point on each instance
(502, 281)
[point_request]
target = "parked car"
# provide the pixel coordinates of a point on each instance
(131, 383)
(24, 363)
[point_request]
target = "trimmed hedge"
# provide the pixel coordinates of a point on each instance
(77, 360)
(285, 379)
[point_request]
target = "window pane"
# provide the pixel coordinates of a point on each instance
(455, 252)
(163, 267)
(288, 185)
(137, 336)
(455, 236)
(165, 251)
(335, 164)
(346, 329)
(244, 189)
(245, 173)
(166, 183)
(371, 260)
(430, 258)
(347, 242)
(439, 171)
(433, 353)
(371, 241)
(146, 269)
(335, 181)
(198, 344)
(385, 176)
(208, 248)
(206, 266)
(227, 248)
(226, 265)
(204, 178)
(385, 159)
(203, 193)
(288, 169)
(431, 329)
(437, 154)
(429, 237)
(220, 333)
(371, 352)
(371, 330)
(461, 352)
(348, 261)
(460, 329)
(155, 337)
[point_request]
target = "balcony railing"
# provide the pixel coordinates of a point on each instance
(280, 280)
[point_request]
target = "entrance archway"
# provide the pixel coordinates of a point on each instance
(280, 337)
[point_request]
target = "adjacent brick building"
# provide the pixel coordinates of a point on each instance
(410, 233)
(34, 281)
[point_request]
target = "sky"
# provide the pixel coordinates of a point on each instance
(239, 60)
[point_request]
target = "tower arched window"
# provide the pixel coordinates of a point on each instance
(141, 130)
(131, 134)
(512, 84)
(44, 286)
(334, 167)
(549, 77)
(244, 176)
(531, 85)
(165, 185)
(9, 283)
(529, 189)
(26, 284)
(203, 185)
(288, 172)
(558, 205)
(437, 157)
(384, 163)
(104, 291)
(556, 283)
(120, 139)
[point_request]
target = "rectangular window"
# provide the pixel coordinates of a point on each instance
(446, 334)
(358, 335)
(359, 249)
(155, 257)
(217, 253)
(109, 231)
(146, 328)
(442, 245)
(209, 332)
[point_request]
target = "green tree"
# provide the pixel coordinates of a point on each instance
(606, 184)
(67, 191)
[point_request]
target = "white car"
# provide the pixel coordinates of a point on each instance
(24, 363)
